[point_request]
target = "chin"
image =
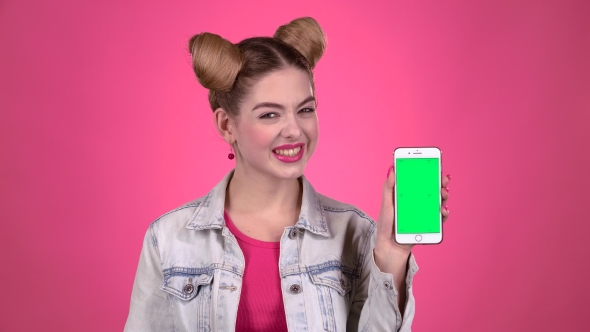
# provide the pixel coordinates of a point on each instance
(293, 173)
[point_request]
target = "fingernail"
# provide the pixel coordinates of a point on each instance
(449, 176)
(446, 208)
(389, 171)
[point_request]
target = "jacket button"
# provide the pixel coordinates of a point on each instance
(387, 285)
(295, 289)
(293, 233)
(188, 289)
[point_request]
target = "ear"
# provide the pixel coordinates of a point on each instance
(225, 125)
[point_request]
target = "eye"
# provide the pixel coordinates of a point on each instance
(307, 110)
(269, 115)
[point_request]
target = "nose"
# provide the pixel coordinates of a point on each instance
(292, 127)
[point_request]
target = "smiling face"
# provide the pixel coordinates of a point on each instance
(276, 131)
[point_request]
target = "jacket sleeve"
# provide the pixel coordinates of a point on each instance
(150, 308)
(376, 299)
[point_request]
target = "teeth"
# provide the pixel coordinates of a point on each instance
(288, 152)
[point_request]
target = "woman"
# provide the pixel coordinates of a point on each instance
(263, 251)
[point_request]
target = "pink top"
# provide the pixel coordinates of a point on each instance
(261, 302)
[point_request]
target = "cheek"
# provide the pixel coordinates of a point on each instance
(312, 130)
(253, 138)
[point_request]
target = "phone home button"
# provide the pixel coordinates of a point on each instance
(418, 238)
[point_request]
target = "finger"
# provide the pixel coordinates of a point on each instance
(445, 180)
(445, 212)
(385, 223)
(444, 193)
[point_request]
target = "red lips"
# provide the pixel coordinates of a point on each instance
(289, 159)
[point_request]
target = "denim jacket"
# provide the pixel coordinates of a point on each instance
(190, 271)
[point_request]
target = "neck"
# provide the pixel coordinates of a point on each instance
(247, 193)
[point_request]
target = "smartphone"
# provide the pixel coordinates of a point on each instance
(417, 195)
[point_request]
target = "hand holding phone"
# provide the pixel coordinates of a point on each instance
(392, 247)
(417, 195)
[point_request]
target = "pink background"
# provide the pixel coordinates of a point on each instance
(103, 128)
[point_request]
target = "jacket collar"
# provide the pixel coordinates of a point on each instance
(209, 212)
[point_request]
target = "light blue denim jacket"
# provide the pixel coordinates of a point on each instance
(190, 271)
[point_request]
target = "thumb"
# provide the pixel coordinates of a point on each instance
(385, 223)
(388, 189)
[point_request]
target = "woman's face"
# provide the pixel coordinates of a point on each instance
(276, 131)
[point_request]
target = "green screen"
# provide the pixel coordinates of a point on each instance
(418, 190)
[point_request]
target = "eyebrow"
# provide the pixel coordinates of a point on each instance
(279, 106)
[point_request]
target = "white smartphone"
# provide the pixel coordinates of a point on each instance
(417, 195)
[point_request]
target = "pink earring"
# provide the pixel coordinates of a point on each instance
(231, 155)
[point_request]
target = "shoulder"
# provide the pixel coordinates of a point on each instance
(332, 216)
(202, 213)
(340, 212)
(178, 218)
(178, 230)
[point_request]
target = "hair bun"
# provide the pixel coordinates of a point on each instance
(306, 36)
(216, 61)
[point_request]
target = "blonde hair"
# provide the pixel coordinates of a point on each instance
(229, 70)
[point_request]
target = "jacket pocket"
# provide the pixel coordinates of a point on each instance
(333, 289)
(194, 294)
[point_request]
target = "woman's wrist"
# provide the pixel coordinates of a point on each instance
(392, 259)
